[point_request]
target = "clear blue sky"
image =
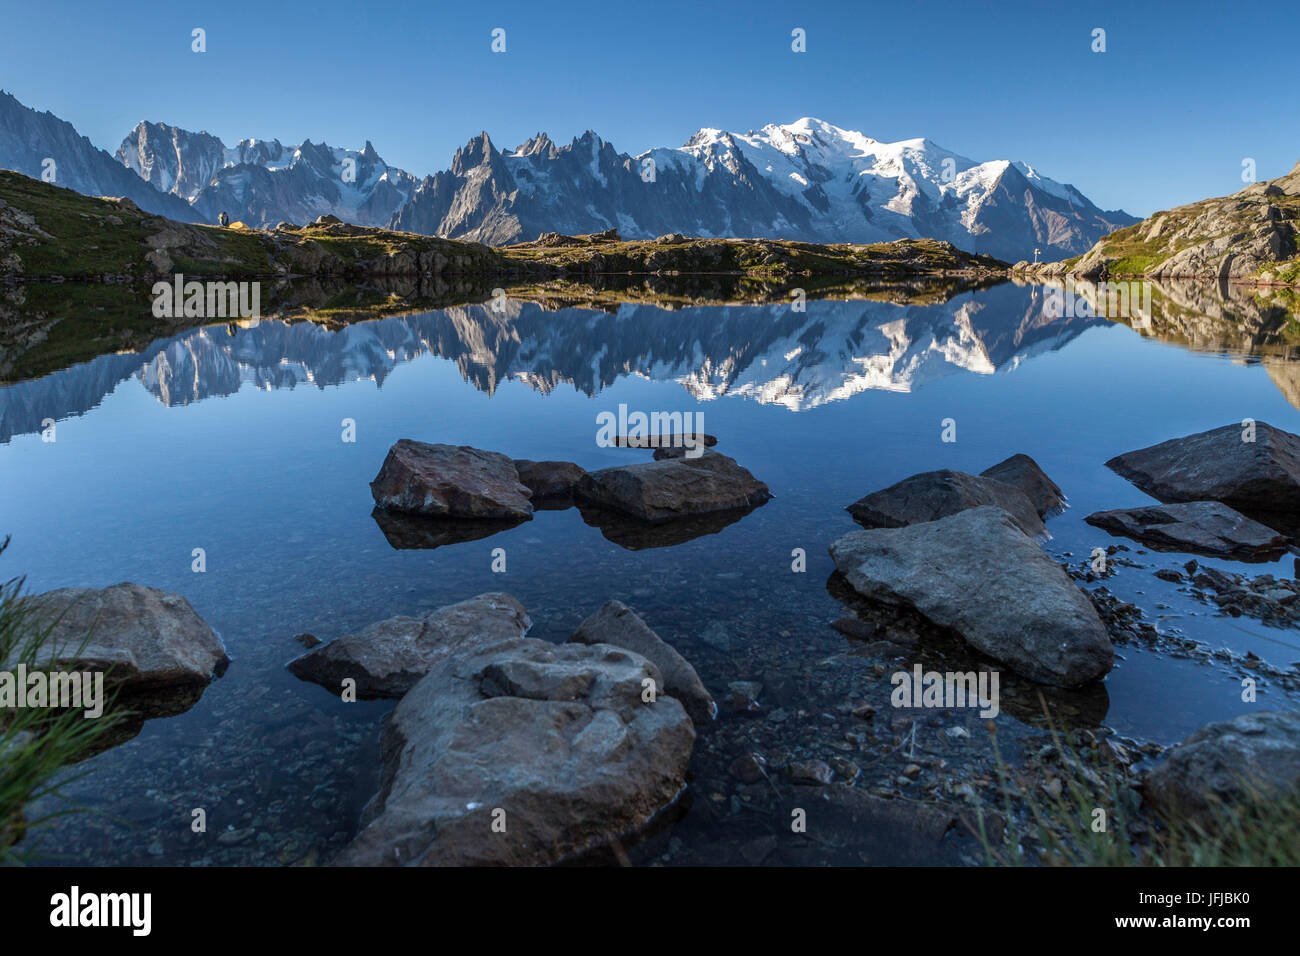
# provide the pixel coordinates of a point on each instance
(1184, 92)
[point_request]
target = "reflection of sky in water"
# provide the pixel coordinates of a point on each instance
(262, 481)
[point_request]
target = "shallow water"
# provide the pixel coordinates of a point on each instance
(233, 443)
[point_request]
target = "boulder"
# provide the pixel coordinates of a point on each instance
(1021, 471)
(658, 491)
(1203, 527)
(142, 638)
(618, 625)
(937, 494)
(1254, 477)
(389, 657)
(450, 481)
(977, 573)
(1226, 764)
(523, 753)
(548, 480)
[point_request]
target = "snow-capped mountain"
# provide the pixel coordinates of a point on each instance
(806, 180)
(769, 354)
(262, 182)
(32, 143)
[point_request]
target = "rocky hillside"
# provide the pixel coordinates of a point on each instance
(48, 232)
(1251, 236)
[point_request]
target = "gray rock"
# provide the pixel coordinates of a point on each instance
(1254, 477)
(548, 479)
(1203, 527)
(977, 573)
(1022, 472)
(450, 481)
(618, 625)
(937, 494)
(141, 637)
(565, 756)
(1226, 764)
(659, 491)
(389, 657)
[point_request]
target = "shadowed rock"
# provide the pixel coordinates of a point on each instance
(637, 535)
(1022, 472)
(1203, 527)
(450, 481)
(145, 640)
(416, 532)
(549, 481)
(387, 658)
(979, 574)
(618, 625)
(659, 491)
(1255, 477)
(937, 494)
(1226, 764)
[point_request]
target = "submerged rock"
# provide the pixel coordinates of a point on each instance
(937, 494)
(657, 491)
(1259, 476)
(450, 481)
(978, 573)
(142, 638)
(618, 625)
(1022, 472)
(1250, 757)
(389, 657)
(523, 753)
(1204, 527)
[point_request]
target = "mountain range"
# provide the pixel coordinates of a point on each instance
(807, 180)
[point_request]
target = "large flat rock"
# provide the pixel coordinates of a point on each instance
(450, 481)
(1204, 527)
(389, 657)
(1223, 765)
(1253, 477)
(978, 573)
(931, 495)
(658, 491)
(618, 625)
(142, 638)
(523, 753)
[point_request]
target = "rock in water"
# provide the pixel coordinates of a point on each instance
(1253, 756)
(1259, 476)
(142, 637)
(979, 574)
(1204, 527)
(389, 657)
(523, 753)
(1021, 471)
(450, 481)
(618, 625)
(937, 494)
(657, 491)
(549, 480)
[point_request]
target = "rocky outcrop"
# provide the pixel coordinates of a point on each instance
(549, 480)
(618, 625)
(660, 491)
(1202, 527)
(523, 753)
(937, 494)
(978, 573)
(1224, 765)
(143, 639)
(1022, 472)
(389, 657)
(1256, 476)
(450, 481)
